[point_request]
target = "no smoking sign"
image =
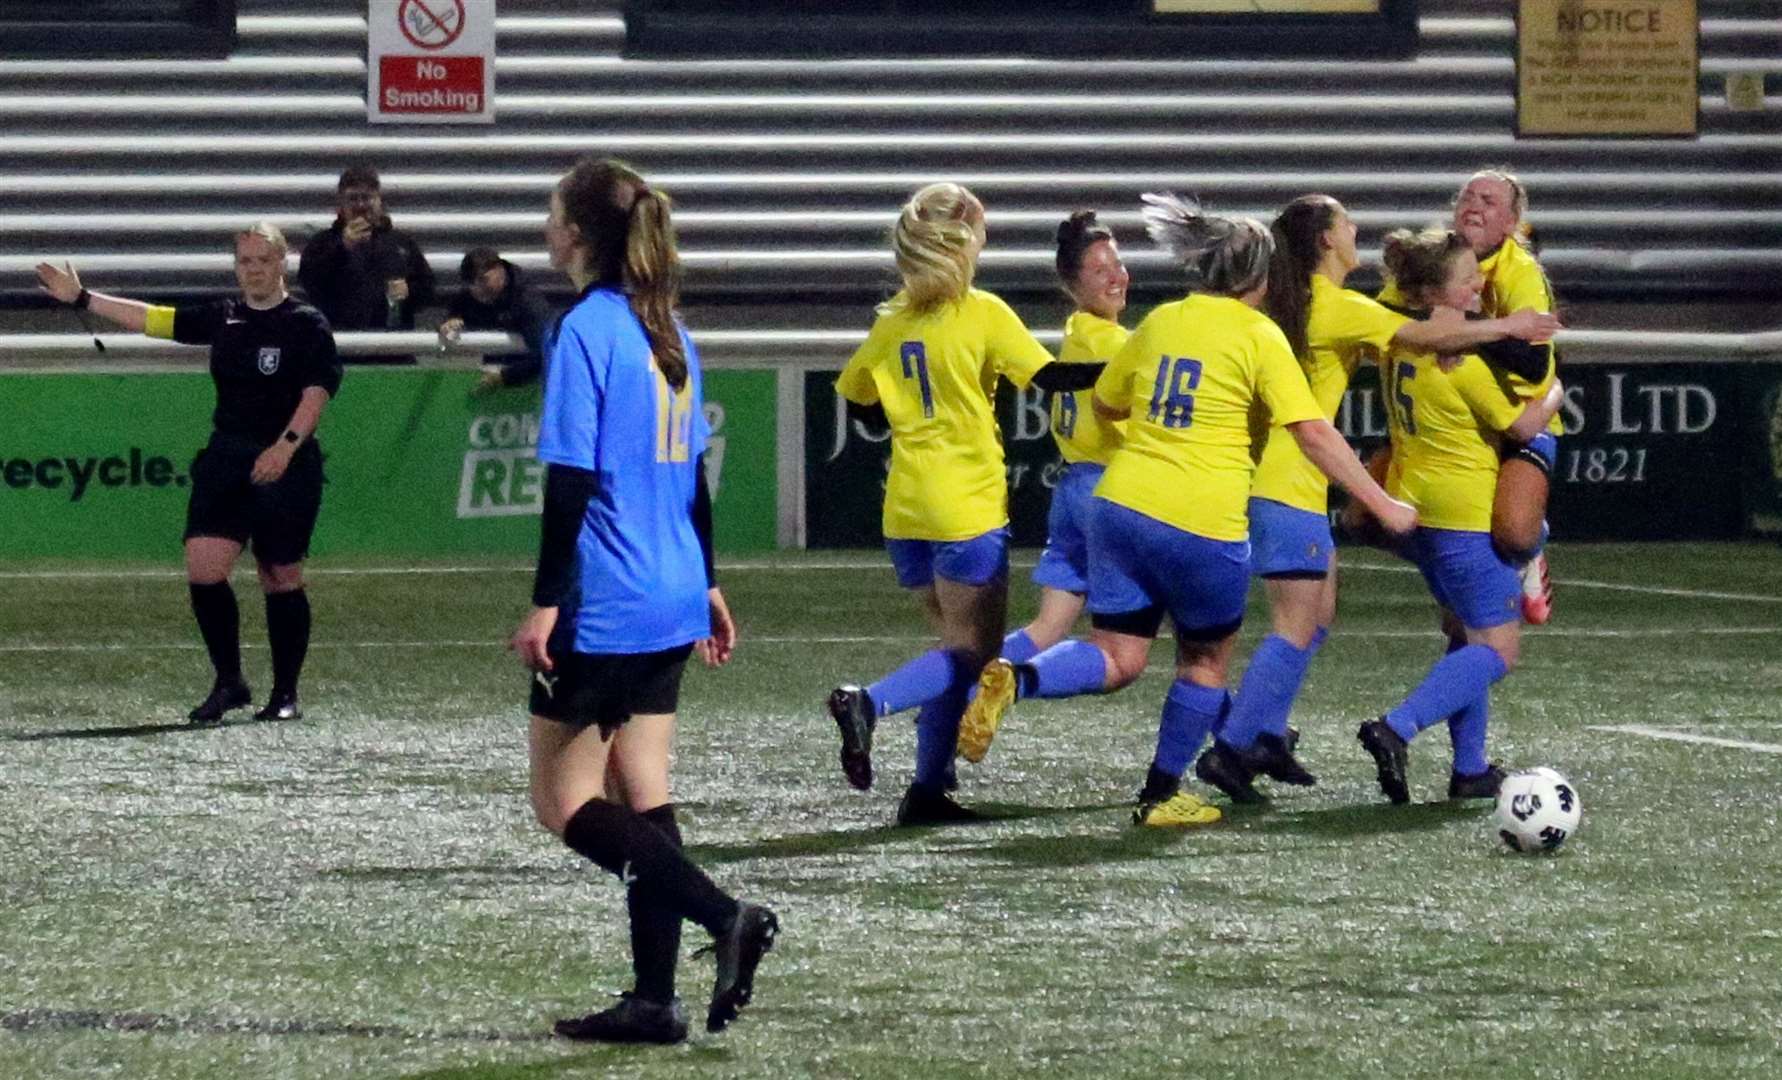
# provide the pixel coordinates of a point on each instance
(431, 25)
(431, 62)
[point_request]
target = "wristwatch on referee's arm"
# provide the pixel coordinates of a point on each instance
(292, 437)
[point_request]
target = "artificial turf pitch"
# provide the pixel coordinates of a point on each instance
(363, 893)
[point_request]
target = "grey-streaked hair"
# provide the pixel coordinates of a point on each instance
(1222, 255)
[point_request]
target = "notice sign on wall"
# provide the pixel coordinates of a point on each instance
(1602, 67)
(431, 62)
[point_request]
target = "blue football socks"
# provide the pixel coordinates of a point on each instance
(1018, 647)
(937, 735)
(916, 683)
(1067, 669)
(1265, 697)
(1456, 682)
(1189, 712)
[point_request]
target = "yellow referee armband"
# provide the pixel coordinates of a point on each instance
(159, 322)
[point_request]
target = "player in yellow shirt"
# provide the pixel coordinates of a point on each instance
(1090, 270)
(929, 369)
(1489, 210)
(1170, 526)
(1331, 330)
(1451, 421)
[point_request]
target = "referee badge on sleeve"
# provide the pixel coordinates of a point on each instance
(268, 359)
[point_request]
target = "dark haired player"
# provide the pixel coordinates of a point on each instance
(259, 478)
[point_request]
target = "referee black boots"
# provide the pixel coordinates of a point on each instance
(223, 697)
(282, 705)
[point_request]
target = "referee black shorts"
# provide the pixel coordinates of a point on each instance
(277, 518)
(607, 689)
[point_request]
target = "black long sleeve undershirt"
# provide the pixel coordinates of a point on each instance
(1059, 377)
(567, 492)
(702, 523)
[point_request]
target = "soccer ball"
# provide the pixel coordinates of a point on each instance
(1537, 810)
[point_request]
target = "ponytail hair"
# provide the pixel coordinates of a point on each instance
(1296, 231)
(1227, 256)
(627, 230)
(653, 281)
(1076, 235)
(1417, 262)
(933, 244)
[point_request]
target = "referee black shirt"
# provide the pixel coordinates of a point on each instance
(261, 361)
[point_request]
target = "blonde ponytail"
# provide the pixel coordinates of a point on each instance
(935, 244)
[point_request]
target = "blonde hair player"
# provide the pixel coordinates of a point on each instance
(928, 370)
(1451, 424)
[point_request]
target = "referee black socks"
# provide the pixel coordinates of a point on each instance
(219, 621)
(625, 843)
(287, 630)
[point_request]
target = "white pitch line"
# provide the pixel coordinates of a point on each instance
(851, 639)
(798, 568)
(1578, 583)
(1686, 737)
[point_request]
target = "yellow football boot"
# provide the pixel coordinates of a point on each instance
(996, 692)
(1179, 811)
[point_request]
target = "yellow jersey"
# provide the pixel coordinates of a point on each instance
(1444, 427)
(935, 373)
(1513, 281)
(1191, 374)
(1080, 433)
(1343, 328)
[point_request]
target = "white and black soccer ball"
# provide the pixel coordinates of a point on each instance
(1537, 811)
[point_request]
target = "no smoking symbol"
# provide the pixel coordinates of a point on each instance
(431, 24)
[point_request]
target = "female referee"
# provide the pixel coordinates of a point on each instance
(1331, 331)
(1168, 532)
(259, 478)
(929, 367)
(1090, 270)
(624, 593)
(1450, 422)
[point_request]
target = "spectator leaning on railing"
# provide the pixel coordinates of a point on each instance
(363, 272)
(496, 297)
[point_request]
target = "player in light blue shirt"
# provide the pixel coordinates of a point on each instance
(625, 593)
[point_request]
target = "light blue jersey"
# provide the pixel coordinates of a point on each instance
(608, 409)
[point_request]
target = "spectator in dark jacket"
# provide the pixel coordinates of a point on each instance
(362, 272)
(495, 297)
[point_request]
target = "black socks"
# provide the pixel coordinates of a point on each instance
(219, 621)
(626, 843)
(287, 629)
(655, 926)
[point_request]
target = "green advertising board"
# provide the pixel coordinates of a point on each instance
(95, 465)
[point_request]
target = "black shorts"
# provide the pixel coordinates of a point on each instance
(607, 689)
(277, 518)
